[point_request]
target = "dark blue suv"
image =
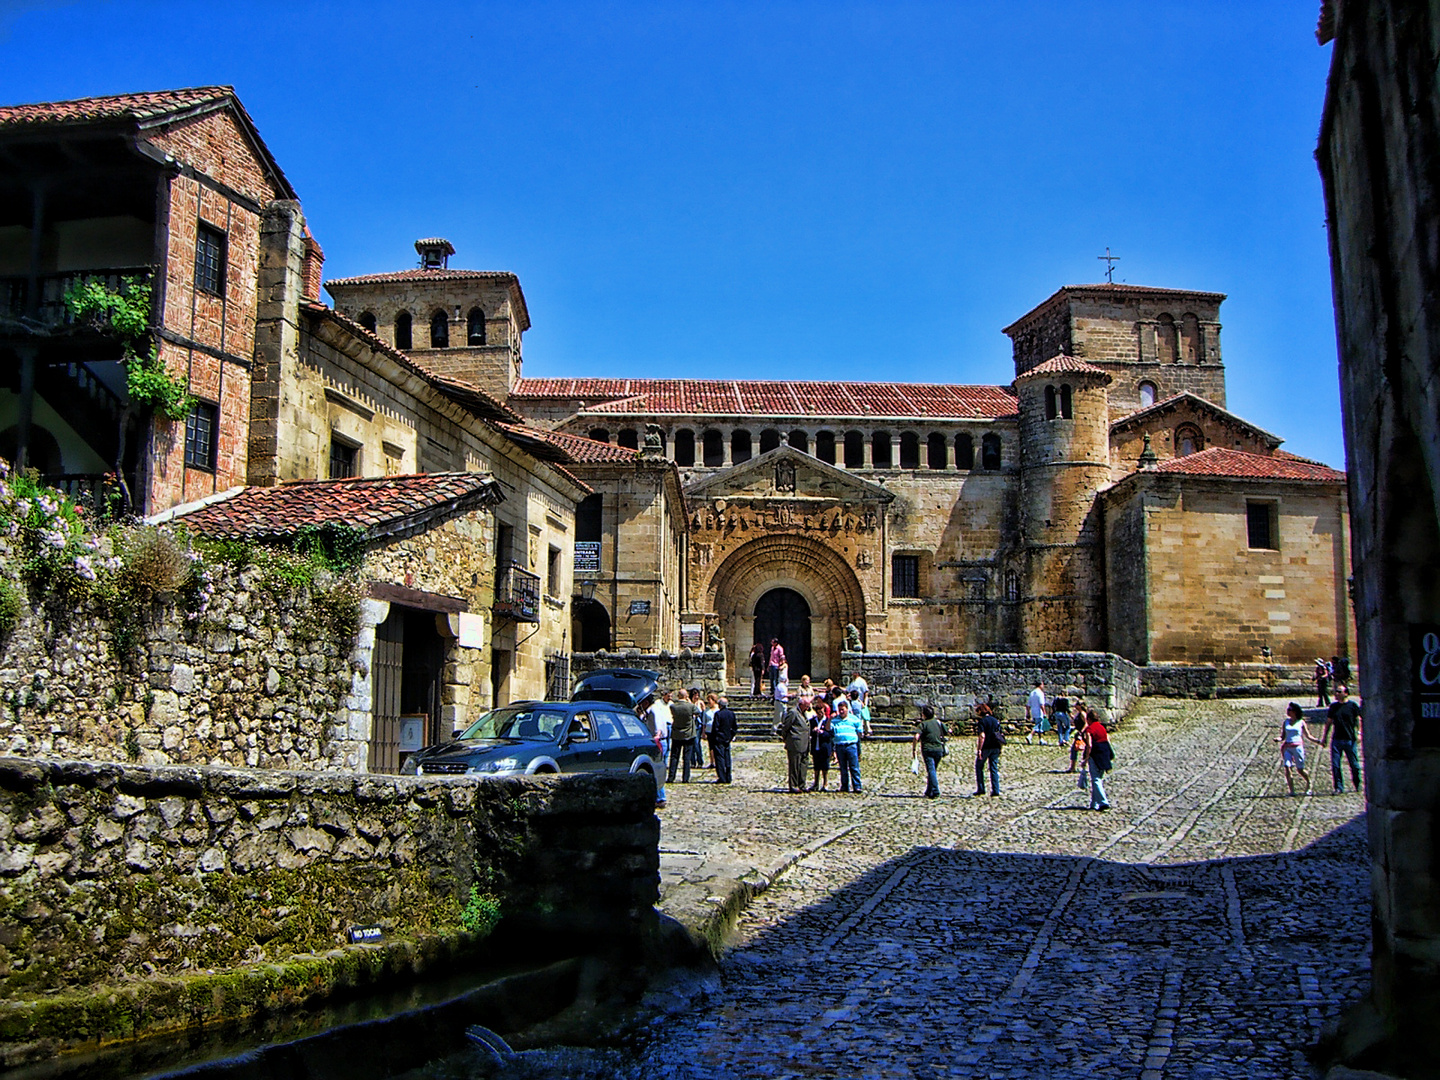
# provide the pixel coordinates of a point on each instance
(535, 737)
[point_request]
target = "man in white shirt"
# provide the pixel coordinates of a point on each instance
(658, 719)
(857, 682)
(1035, 705)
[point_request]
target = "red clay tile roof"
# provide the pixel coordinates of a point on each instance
(382, 505)
(421, 273)
(148, 109)
(741, 397)
(1066, 365)
(572, 448)
(138, 107)
(1219, 461)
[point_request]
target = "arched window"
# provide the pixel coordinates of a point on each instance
(599, 434)
(1192, 344)
(854, 450)
(769, 440)
(739, 446)
(825, 447)
(367, 320)
(475, 327)
(685, 447)
(629, 438)
(936, 451)
(712, 449)
(402, 330)
(1188, 440)
(1050, 411)
(1067, 411)
(990, 451)
(1147, 394)
(909, 450)
(1167, 346)
(964, 452)
(1012, 585)
(880, 450)
(439, 331)
(799, 441)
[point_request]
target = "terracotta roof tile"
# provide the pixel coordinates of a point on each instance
(575, 448)
(381, 505)
(741, 397)
(138, 107)
(1220, 461)
(1066, 365)
(420, 273)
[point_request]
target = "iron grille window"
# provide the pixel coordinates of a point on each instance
(209, 259)
(200, 428)
(344, 459)
(1260, 524)
(557, 677)
(905, 576)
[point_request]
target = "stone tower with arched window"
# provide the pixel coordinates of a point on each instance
(465, 324)
(1155, 343)
(1064, 462)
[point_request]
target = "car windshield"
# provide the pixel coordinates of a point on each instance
(517, 722)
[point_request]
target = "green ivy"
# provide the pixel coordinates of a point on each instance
(125, 314)
(481, 912)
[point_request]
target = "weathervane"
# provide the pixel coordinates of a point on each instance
(1109, 261)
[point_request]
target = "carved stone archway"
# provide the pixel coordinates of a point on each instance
(815, 571)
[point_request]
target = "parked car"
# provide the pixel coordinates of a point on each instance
(631, 687)
(535, 737)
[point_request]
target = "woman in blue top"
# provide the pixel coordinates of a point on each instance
(847, 728)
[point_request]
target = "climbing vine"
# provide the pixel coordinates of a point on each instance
(124, 313)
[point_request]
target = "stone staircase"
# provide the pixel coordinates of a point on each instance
(756, 720)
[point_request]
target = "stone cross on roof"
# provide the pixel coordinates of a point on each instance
(1109, 261)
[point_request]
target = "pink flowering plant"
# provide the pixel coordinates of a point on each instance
(46, 534)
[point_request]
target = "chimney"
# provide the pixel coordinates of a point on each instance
(314, 265)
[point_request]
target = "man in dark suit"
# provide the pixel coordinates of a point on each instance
(722, 734)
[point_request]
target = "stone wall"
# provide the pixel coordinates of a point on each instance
(953, 682)
(139, 899)
(705, 670)
(258, 680)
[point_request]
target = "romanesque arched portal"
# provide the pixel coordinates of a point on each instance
(787, 561)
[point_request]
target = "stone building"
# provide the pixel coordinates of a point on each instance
(165, 187)
(1106, 499)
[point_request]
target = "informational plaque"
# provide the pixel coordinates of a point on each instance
(639, 607)
(692, 635)
(587, 556)
(412, 733)
(1425, 683)
(470, 630)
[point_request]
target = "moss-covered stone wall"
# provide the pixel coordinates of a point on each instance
(139, 899)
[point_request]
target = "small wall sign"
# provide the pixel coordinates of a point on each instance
(1425, 683)
(365, 935)
(639, 607)
(412, 733)
(692, 635)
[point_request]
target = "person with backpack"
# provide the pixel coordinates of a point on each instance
(1322, 678)
(988, 743)
(1099, 757)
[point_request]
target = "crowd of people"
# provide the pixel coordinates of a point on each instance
(823, 726)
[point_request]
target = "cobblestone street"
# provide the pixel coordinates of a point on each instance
(1207, 926)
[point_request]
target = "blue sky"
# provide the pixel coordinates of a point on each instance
(801, 190)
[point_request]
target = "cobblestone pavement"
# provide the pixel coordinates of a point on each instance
(1207, 926)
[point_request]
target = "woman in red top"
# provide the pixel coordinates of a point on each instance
(1098, 757)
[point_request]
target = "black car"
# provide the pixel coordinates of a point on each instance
(633, 688)
(536, 737)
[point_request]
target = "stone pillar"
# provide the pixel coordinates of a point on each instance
(867, 443)
(277, 332)
(726, 434)
(1378, 138)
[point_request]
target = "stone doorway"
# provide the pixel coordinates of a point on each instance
(784, 614)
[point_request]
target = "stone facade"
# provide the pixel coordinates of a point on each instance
(1190, 587)
(1378, 141)
(953, 682)
(210, 173)
(139, 900)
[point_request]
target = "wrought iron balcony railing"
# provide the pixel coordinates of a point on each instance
(517, 595)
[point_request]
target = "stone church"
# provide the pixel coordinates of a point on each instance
(1105, 499)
